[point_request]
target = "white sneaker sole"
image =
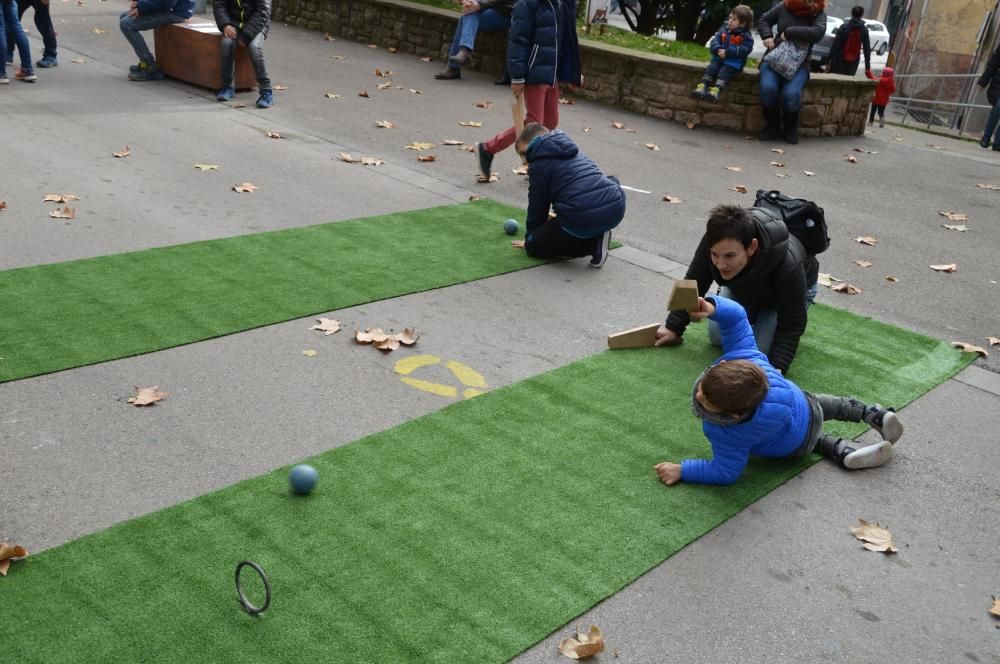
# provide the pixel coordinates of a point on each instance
(869, 456)
(892, 427)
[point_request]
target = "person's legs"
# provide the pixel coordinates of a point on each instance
(791, 102)
(992, 124)
(849, 409)
(550, 107)
(227, 49)
(43, 22)
(256, 50)
(132, 26)
(550, 241)
(13, 27)
(722, 79)
(3, 45)
(770, 88)
(537, 103)
(853, 455)
(871, 113)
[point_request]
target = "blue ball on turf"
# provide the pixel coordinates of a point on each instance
(510, 227)
(303, 479)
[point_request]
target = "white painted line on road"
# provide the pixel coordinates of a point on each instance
(641, 191)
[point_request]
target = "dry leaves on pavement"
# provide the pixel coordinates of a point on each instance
(781, 175)
(385, 124)
(995, 609)
(280, 88)
(691, 124)
(778, 150)
(485, 104)
(414, 91)
(584, 644)
(566, 102)
(742, 188)
(3, 206)
(470, 123)
(371, 161)
(331, 95)
(951, 215)
(426, 157)
(828, 280)
(844, 287)
(309, 352)
(122, 153)
(147, 396)
(969, 348)
(64, 212)
(735, 169)
(328, 37)
(777, 164)
(618, 125)
(875, 537)
(672, 199)
(950, 267)
(851, 158)
(78, 61)
(520, 170)
(587, 130)
(452, 141)
(60, 198)
(991, 187)
(993, 341)
(653, 146)
(327, 326)
(808, 174)
(383, 73)
(961, 228)
(273, 134)
(891, 278)
(384, 86)
(207, 167)
(865, 151)
(245, 188)
(347, 157)
(419, 146)
(864, 263)
(364, 93)
(7, 553)
(385, 341)
(866, 239)
(427, 59)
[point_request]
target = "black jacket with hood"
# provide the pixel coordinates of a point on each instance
(838, 63)
(775, 279)
(789, 20)
(249, 17)
(991, 78)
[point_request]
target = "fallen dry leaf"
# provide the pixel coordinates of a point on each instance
(7, 553)
(372, 45)
(995, 609)
(991, 187)
(384, 341)
(566, 102)
(280, 88)
(122, 154)
(777, 164)
(867, 239)
(245, 188)
(331, 95)
(147, 396)
(487, 104)
(517, 244)
(328, 37)
(338, 57)
(735, 169)
(630, 131)
(310, 353)
(864, 263)
(388, 345)
(346, 157)
(363, 93)
(961, 228)
(994, 341)
(327, 326)
(891, 278)
(427, 59)
(475, 197)
(827, 280)
(851, 158)
(238, 105)
(583, 644)
(470, 123)
(408, 336)
(618, 125)
(587, 130)
(3, 206)
(385, 124)
(898, 137)
(78, 61)
(808, 174)
(875, 537)
(653, 146)
(414, 91)
(392, 49)
(691, 124)
(844, 287)
(672, 199)
(60, 198)
(273, 134)
(742, 188)
(494, 177)
(951, 215)
(778, 150)
(384, 86)
(865, 151)
(207, 167)
(781, 175)
(419, 146)
(969, 348)
(99, 31)
(452, 141)
(950, 267)
(426, 157)
(520, 170)
(64, 212)
(371, 161)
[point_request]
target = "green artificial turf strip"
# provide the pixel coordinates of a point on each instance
(66, 315)
(466, 535)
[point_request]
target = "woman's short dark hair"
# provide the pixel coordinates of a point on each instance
(729, 222)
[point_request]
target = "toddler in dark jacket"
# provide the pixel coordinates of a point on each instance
(245, 22)
(730, 48)
(587, 203)
(748, 407)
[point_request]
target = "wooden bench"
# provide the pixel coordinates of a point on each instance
(191, 52)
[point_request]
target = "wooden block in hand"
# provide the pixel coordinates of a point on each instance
(637, 337)
(684, 296)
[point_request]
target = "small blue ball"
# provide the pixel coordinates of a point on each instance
(303, 479)
(510, 227)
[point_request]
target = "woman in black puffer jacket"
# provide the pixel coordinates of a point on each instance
(991, 81)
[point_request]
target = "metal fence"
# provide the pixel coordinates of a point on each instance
(942, 101)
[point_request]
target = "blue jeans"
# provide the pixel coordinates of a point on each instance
(763, 327)
(9, 22)
(991, 123)
(487, 20)
(256, 58)
(719, 72)
(43, 21)
(774, 88)
(131, 26)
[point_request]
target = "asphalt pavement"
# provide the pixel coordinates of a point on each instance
(784, 581)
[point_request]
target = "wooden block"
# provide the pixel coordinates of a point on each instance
(637, 337)
(684, 295)
(191, 52)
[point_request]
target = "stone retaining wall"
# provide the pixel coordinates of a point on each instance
(655, 85)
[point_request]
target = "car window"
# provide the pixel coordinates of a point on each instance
(876, 26)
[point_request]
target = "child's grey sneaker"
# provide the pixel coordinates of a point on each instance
(151, 72)
(485, 161)
(885, 421)
(868, 456)
(48, 61)
(138, 67)
(600, 256)
(4, 80)
(226, 93)
(266, 98)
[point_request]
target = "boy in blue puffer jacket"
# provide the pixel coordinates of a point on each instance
(748, 407)
(587, 204)
(730, 48)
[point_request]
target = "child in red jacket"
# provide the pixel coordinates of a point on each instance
(886, 86)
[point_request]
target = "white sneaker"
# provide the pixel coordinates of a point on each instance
(4, 80)
(868, 456)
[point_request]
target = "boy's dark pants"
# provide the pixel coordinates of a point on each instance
(826, 407)
(550, 241)
(716, 71)
(876, 107)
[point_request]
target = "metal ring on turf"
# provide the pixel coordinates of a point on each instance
(250, 608)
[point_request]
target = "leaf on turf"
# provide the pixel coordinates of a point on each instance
(494, 177)
(385, 124)
(245, 188)
(371, 161)
(147, 396)
(742, 188)
(207, 167)
(584, 644)
(7, 553)
(331, 95)
(969, 348)
(121, 154)
(778, 150)
(866, 239)
(426, 157)
(327, 326)
(60, 198)
(672, 199)
(864, 263)
(470, 123)
(851, 158)
(734, 169)
(995, 609)
(991, 187)
(618, 125)
(273, 134)
(486, 104)
(951, 215)
(309, 353)
(64, 212)
(520, 170)
(777, 164)
(566, 102)
(363, 93)
(875, 537)
(348, 158)
(419, 146)
(950, 267)
(517, 244)
(653, 146)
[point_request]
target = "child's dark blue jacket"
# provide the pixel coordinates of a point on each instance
(542, 47)
(777, 428)
(184, 8)
(586, 202)
(738, 44)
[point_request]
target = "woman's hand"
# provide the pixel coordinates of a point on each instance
(769, 43)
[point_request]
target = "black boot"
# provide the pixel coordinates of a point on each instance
(772, 115)
(791, 120)
(504, 77)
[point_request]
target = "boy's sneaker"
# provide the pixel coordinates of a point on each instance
(138, 67)
(148, 71)
(984, 142)
(226, 93)
(881, 123)
(4, 80)
(868, 456)
(885, 421)
(48, 61)
(601, 254)
(485, 161)
(266, 98)
(713, 93)
(26, 75)
(699, 91)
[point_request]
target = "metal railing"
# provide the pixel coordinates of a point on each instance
(953, 113)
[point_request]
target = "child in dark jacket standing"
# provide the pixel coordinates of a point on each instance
(730, 48)
(587, 204)
(748, 407)
(245, 22)
(886, 86)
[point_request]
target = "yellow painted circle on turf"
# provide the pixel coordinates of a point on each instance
(473, 381)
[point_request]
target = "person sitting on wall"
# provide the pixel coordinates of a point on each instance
(477, 15)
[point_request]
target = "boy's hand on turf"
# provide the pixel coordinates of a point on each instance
(670, 473)
(666, 337)
(705, 309)
(517, 244)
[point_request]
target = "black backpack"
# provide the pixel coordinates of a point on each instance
(804, 219)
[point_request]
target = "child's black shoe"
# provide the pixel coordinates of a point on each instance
(600, 256)
(699, 91)
(485, 161)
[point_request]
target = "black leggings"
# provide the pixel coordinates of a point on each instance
(876, 107)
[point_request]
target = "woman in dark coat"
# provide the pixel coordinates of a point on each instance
(991, 81)
(801, 21)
